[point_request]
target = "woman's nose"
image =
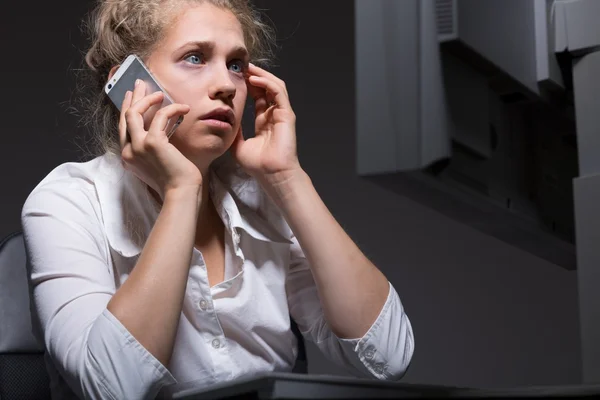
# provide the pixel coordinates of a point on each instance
(222, 85)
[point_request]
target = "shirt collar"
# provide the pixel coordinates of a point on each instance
(129, 211)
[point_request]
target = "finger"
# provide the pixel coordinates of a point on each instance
(259, 96)
(254, 70)
(134, 117)
(258, 71)
(139, 91)
(144, 104)
(263, 119)
(273, 88)
(126, 155)
(126, 101)
(162, 117)
(253, 91)
(260, 105)
(122, 122)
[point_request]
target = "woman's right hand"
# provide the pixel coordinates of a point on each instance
(149, 154)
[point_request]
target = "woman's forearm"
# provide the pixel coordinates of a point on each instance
(352, 290)
(149, 303)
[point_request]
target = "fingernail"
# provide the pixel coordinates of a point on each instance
(137, 82)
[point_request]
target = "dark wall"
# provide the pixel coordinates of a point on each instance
(483, 312)
(39, 44)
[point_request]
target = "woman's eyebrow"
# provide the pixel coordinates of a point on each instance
(240, 51)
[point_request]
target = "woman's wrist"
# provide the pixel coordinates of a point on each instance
(183, 194)
(284, 187)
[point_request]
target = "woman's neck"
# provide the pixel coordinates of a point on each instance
(207, 208)
(209, 220)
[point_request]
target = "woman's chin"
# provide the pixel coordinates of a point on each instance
(202, 144)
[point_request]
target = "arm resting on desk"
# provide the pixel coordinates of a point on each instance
(72, 284)
(384, 352)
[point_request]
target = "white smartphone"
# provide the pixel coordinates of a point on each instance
(124, 79)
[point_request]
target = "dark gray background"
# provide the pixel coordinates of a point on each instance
(484, 313)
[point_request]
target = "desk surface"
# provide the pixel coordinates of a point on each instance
(300, 386)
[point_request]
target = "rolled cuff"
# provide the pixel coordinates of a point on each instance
(125, 368)
(386, 350)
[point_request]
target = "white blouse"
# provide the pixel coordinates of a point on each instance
(85, 225)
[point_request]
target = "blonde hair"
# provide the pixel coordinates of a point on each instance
(118, 28)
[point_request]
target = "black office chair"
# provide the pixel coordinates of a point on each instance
(301, 366)
(22, 369)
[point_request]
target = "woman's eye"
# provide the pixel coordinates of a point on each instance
(237, 66)
(194, 59)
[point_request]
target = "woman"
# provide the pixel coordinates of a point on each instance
(166, 261)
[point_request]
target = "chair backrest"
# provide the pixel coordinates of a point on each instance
(301, 365)
(22, 369)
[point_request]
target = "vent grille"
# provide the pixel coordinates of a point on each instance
(445, 18)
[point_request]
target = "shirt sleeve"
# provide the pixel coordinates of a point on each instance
(71, 284)
(384, 352)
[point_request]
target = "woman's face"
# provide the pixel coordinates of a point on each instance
(201, 62)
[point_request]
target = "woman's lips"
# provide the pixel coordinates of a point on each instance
(216, 123)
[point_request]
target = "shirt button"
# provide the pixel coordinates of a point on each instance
(379, 368)
(216, 343)
(203, 304)
(369, 354)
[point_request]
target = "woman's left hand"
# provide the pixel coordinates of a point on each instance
(271, 154)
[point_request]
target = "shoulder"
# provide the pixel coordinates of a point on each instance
(73, 187)
(99, 196)
(65, 180)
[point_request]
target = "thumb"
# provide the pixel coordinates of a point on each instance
(237, 142)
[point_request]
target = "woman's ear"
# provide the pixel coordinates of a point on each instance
(112, 71)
